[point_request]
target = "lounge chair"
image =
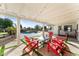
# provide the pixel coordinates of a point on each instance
(58, 45)
(53, 47)
(31, 45)
(59, 41)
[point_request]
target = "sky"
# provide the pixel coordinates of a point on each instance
(24, 22)
(28, 23)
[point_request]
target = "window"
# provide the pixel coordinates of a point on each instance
(68, 28)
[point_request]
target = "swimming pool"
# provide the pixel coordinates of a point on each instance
(30, 34)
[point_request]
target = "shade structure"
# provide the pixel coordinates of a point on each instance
(51, 13)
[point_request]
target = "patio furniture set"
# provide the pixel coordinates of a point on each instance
(54, 44)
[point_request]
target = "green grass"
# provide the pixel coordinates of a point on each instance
(2, 48)
(2, 33)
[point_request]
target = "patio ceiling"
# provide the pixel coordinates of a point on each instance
(56, 14)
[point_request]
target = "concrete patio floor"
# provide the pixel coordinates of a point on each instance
(15, 51)
(18, 51)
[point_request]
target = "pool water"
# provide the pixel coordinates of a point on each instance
(30, 34)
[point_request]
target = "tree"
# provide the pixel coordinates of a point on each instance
(45, 28)
(7, 23)
(11, 30)
(37, 27)
(20, 26)
(1, 23)
(28, 29)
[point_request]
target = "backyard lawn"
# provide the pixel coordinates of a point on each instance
(2, 34)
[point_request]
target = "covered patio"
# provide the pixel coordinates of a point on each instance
(53, 15)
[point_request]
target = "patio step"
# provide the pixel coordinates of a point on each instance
(6, 40)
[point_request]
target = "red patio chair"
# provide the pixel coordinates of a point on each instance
(50, 34)
(58, 44)
(54, 48)
(63, 38)
(61, 44)
(30, 44)
(55, 40)
(58, 41)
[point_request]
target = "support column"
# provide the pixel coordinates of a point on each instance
(18, 31)
(55, 30)
(78, 30)
(43, 30)
(52, 26)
